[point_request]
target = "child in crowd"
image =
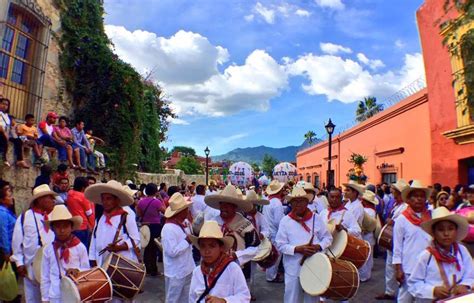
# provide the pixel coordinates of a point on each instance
(59, 174)
(218, 279)
(93, 140)
(28, 133)
(444, 268)
(65, 256)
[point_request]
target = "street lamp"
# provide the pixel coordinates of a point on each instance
(207, 151)
(330, 129)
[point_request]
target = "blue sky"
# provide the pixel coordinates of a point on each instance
(246, 73)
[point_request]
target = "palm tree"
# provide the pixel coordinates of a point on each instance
(367, 108)
(310, 136)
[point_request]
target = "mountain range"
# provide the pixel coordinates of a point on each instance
(256, 154)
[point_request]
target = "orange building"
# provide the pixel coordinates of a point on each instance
(428, 135)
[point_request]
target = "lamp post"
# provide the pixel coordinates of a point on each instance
(330, 129)
(207, 151)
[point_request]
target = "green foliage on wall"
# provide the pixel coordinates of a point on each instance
(189, 165)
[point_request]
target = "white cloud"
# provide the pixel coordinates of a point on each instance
(249, 18)
(399, 44)
(333, 4)
(232, 138)
(373, 64)
(302, 13)
(266, 13)
(333, 49)
(347, 81)
(271, 12)
(178, 121)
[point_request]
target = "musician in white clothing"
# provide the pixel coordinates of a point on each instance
(301, 234)
(29, 236)
(178, 260)
(353, 204)
(369, 201)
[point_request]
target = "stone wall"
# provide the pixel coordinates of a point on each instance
(172, 177)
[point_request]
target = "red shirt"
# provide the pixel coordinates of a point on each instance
(58, 176)
(78, 205)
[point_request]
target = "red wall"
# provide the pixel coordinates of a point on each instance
(445, 152)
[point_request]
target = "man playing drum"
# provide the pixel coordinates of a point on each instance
(29, 236)
(301, 234)
(369, 202)
(409, 240)
(353, 204)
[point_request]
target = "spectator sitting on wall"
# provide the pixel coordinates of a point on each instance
(84, 147)
(99, 157)
(45, 132)
(44, 176)
(63, 136)
(28, 133)
(7, 133)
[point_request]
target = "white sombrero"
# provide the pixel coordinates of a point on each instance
(61, 213)
(274, 187)
(177, 203)
(41, 191)
(443, 214)
(415, 185)
(400, 185)
(355, 186)
(94, 192)
(370, 197)
(228, 195)
(211, 230)
(254, 199)
(298, 192)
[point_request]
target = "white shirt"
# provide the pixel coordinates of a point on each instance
(320, 203)
(49, 130)
(397, 210)
(50, 277)
(370, 237)
(198, 205)
(292, 234)
(274, 212)
(177, 252)
(409, 241)
(426, 276)
(104, 235)
(26, 245)
(348, 221)
(231, 285)
(262, 224)
(5, 122)
(355, 207)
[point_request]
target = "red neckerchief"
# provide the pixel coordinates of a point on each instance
(211, 272)
(331, 211)
(444, 256)
(64, 247)
(301, 220)
(45, 217)
(411, 216)
(174, 221)
(117, 212)
(274, 196)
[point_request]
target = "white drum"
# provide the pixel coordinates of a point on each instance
(37, 260)
(264, 250)
(144, 235)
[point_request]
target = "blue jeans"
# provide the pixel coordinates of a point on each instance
(47, 140)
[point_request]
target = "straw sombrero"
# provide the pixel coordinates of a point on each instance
(443, 214)
(355, 186)
(370, 197)
(177, 203)
(415, 185)
(254, 199)
(400, 185)
(41, 191)
(211, 230)
(298, 192)
(61, 213)
(306, 186)
(228, 195)
(94, 192)
(274, 187)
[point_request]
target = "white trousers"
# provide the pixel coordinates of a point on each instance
(118, 300)
(100, 158)
(403, 295)
(391, 284)
(32, 291)
(177, 289)
(365, 272)
(253, 271)
(272, 272)
(294, 293)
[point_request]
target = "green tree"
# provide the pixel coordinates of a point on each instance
(255, 167)
(189, 165)
(310, 136)
(268, 163)
(188, 151)
(367, 108)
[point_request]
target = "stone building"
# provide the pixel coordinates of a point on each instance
(29, 58)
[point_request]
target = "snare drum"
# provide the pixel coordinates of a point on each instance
(385, 238)
(349, 248)
(334, 279)
(127, 276)
(88, 286)
(144, 236)
(270, 259)
(264, 249)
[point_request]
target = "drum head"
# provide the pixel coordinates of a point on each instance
(316, 274)
(144, 236)
(264, 249)
(107, 261)
(37, 264)
(69, 291)
(381, 233)
(378, 228)
(338, 245)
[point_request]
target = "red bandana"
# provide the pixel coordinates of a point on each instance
(64, 247)
(174, 221)
(301, 220)
(445, 256)
(211, 272)
(45, 217)
(331, 211)
(117, 212)
(414, 219)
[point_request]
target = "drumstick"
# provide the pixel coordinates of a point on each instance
(103, 251)
(310, 241)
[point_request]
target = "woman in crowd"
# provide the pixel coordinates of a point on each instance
(63, 136)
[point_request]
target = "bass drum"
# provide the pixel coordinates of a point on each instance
(385, 238)
(88, 286)
(349, 248)
(127, 276)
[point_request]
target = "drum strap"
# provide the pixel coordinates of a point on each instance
(57, 262)
(442, 272)
(210, 287)
(40, 243)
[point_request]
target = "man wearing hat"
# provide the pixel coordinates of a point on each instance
(445, 268)
(45, 135)
(229, 201)
(274, 212)
(29, 235)
(65, 256)
(302, 233)
(353, 204)
(337, 214)
(409, 240)
(393, 210)
(113, 198)
(369, 201)
(178, 260)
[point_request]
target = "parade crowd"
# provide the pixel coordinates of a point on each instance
(96, 242)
